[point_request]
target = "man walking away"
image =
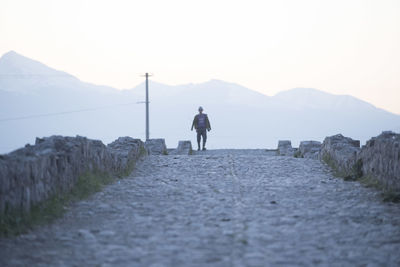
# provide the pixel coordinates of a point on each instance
(202, 125)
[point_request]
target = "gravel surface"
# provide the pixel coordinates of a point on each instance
(219, 208)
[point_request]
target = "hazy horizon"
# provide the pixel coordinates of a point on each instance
(190, 83)
(37, 100)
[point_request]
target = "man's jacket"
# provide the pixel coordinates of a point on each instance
(195, 123)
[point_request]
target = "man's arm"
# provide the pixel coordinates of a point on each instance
(208, 124)
(194, 122)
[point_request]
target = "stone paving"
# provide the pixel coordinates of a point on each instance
(219, 208)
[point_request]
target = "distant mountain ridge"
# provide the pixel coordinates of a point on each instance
(33, 75)
(312, 98)
(13, 63)
(240, 117)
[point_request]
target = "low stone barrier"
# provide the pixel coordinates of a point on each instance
(309, 149)
(156, 147)
(53, 165)
(184, 147)
(340, 153)
(285, 148)
(125, 152)
(380, 160)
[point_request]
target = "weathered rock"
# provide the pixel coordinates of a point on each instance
(309, 149)
(184, 147)
(53, 165)
(285, 148)
(340, 153)
(156, 146)
(125, 152)
(380, 159)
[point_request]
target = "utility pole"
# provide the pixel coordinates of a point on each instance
(147, 106)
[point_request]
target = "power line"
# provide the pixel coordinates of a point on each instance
(64, 112)
(34, 75)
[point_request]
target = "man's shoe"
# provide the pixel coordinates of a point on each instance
(204, 148)
(198, 149)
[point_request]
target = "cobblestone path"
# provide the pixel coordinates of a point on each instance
(219, 208)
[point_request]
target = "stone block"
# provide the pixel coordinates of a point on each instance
(340, 153)
(184, 147)
(380, 159)
(156, 147)
(125, 151)
(309, 149)
(285, 148)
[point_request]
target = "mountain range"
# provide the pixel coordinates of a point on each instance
(36, 100)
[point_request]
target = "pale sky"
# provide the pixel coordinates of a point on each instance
(338, 46)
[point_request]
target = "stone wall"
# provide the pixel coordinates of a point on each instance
(340, 153)
(53, 165)
(380, 159)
